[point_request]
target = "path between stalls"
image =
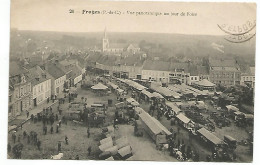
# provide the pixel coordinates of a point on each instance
(143, 147)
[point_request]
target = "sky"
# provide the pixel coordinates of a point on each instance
(53, 15)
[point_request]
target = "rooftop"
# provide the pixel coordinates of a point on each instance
(222, 63)
(54, 70)
(156, 65)
(37, 75)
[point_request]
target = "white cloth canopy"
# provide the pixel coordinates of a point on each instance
(99, 86)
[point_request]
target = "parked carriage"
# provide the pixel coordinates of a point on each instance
(96, 120)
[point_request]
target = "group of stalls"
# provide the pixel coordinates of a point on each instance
(74, 111)
(100, 89)
(154, 128)
(112, 149)
(205, 85)
(125, 110)
(179, 116)
(240, 117)
(189, 93)
(132, 84)
(115, 88)
(142, 91)
(166, 93)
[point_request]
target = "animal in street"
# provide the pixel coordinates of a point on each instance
(57, 157)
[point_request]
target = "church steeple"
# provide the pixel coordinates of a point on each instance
(105, 44)
(105, 33)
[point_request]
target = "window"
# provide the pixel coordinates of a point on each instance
(29, 88)
(191, 78)
(10, 109)
(21, 92)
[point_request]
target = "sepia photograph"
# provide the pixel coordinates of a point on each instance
(131, 81)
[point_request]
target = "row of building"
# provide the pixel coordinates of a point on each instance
(135, 66)
(31, 85)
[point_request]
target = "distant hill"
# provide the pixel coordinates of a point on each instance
(171, 44)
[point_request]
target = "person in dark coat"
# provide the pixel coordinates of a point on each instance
(88, 132)
(9, 148)
(24, 134)
(51, 129)
(14, 137)
(45, 130)
(57, 117)
(19, 138)
(89, 150)
(39, 144)
(66, 140)
(59, 146)
(32, 117)
(27, 113)
(208, 158)
(28, 139)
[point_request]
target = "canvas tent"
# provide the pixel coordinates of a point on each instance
(186, 122)
(232, 108)
(157, 95)
(123, 152)
(146, 93)
(210, 137)
(152, 126)
(105, 146)
(132, 101)
(122, 142)
(106, 140)
(110, 158)
(173, 107)
(112, 150)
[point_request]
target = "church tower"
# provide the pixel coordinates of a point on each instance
(105, 43)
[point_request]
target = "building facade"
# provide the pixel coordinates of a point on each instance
(19, 95)
(58, 78)
(225, 72)
(41, 85)
(248, 78)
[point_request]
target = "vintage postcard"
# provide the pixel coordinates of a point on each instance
(147, 81)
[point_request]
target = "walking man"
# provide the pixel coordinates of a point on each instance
(89, 150)
(66, 140)
(39, 144)
(27, 113)
(57, 117)
(14, 137)
(45, 130)
(88, 132)
(51, 129)
(59, 146)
